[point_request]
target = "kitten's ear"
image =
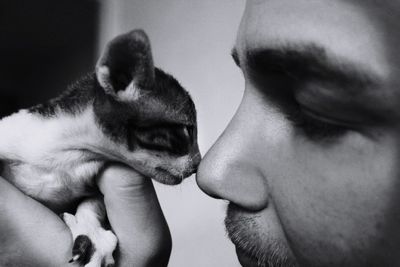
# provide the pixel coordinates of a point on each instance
(126, 60)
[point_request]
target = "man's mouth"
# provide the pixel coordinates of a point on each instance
(255, 246)
(242, 236)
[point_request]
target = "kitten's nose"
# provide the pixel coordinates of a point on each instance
(192, 169)
(196, 159)
(189, 136)
(196, 156)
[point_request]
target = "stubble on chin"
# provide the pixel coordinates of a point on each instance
(248, 237)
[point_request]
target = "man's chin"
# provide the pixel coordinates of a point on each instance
(245, 260)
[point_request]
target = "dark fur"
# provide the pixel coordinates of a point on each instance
(123, 121)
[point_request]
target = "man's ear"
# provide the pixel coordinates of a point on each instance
(127, 60)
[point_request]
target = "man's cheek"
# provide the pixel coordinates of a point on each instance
(330, 207)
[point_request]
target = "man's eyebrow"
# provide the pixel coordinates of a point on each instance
(308, 62)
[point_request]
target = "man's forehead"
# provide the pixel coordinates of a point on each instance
(376, 11)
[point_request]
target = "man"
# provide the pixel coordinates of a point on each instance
(309, 163)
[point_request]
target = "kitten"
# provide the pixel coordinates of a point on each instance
(127, 111)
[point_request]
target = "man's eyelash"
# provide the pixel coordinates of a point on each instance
(313, 126)
(317, 129)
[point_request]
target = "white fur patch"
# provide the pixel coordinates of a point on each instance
(47, 157)
(87, 222)
(131, 93)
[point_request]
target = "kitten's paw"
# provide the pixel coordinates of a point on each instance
(82, 250)
(93, 245)
(104, 243)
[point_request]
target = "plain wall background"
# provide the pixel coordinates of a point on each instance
(191, 39)
(45, 46)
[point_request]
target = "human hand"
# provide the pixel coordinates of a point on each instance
(33, 235)
(30, 233)
(136, 218)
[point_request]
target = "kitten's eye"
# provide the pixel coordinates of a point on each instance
(317, 128)
(176, 139)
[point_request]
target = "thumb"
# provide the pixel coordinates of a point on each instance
(136, 217)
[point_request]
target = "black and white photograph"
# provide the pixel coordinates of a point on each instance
(199, 133)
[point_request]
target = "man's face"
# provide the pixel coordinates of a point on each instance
(310, 162)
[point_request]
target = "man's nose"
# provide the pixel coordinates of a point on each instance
(230, 170)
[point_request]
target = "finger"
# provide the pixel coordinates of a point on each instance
(136, 217)
(31, 235)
